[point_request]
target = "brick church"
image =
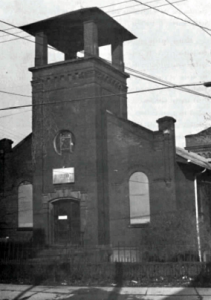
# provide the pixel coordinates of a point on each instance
(87, 174)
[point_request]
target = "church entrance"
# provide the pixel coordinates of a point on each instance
(66, 222)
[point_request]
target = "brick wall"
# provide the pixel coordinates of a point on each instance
(132, 148)
(16, 168)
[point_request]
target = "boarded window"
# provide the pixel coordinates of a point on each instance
(139, 199)
(25, 207)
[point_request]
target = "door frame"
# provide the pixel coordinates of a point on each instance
(51, 216)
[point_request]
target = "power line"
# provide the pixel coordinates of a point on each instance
(109, 11)
(162, 82)
(169, 15)
(104, 96)
(10, 132)
(136, 11)
(14, 94)
(23, 38)
(158, 81)
(20, 31)
(16, 27)
(116, 4)
(5, 116)
(152, 79)
(188, 17)
(167, 85)
(15, 39)
(130, 6)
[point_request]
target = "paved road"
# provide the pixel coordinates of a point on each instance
(24, 292)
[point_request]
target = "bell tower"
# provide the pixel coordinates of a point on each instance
(70, 99)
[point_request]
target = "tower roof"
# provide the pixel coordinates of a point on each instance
(66, 31)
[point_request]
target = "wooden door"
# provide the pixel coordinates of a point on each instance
(66, 222)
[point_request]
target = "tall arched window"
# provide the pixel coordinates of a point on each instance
(139, 199)
(25, 205)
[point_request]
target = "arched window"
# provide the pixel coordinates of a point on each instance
(25, 206)
(139, 199)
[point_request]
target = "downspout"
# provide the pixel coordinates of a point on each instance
(197, 214)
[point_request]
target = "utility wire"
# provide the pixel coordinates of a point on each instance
(155, 81)
(162, 82)
(24, 38)
(17, 36)
(13, 27)
(104, 96)
(16, 27)
(5, 116)
(109, 11)
(20, 31)
(169, 85)
(14, 94)
(15, 39)
(136, 11)
(10, 132)
(187, 17)
(116, 4)
(152, 79)
(169, 15)
(131, 6)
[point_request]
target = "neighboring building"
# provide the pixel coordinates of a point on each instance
(200, 143)
(87, 173)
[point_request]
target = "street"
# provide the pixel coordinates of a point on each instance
(24, 292)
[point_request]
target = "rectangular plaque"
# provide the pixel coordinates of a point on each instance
(64, 175)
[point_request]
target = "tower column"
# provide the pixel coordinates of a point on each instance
(41, 49)
(117, 54)
(90, 39)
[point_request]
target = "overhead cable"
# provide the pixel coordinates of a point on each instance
(10, 115)
(169, 15)
(131, 6)
(104, 96)
(187, 17)
(114, 4)
(136, 11)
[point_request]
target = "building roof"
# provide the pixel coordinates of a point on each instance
(66, 31)
(204, 132)
(193, 158)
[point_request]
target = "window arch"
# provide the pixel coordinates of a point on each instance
(25, 205)
(139, 199)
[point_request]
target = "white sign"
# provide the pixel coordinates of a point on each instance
(62, 217)
(64, 175)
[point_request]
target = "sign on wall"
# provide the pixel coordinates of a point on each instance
(64, 175)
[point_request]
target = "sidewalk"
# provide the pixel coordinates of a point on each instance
(27, 292)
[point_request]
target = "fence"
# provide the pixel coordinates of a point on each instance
(25, 263)
(10, 250)
(103, 273)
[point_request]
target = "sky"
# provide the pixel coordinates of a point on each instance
(165, 48)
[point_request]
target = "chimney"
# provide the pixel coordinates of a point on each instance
(5, 146)
(167, 130)
(166, 125)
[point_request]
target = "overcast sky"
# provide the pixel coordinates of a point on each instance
(166, 48)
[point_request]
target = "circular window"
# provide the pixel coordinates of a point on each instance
(64, 141)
